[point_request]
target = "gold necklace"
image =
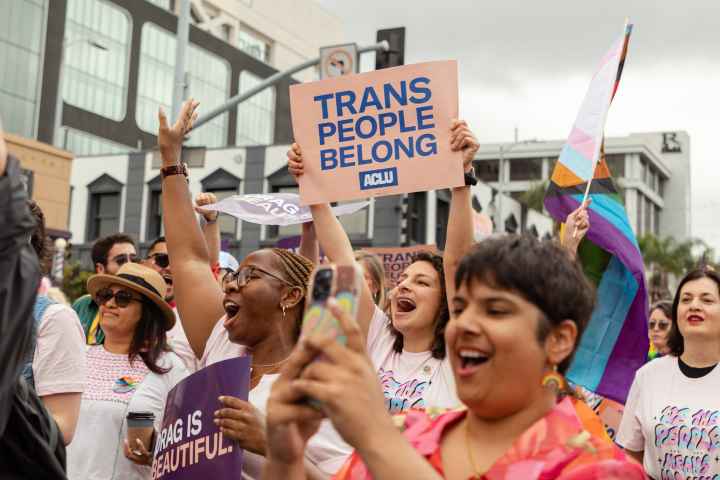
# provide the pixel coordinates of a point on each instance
(468, 445)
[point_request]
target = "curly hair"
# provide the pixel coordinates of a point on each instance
(443, 314)
(39, 239)
(297, 270)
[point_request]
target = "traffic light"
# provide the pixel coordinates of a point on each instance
(396, 55)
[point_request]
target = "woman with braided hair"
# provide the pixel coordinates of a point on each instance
(260, 307)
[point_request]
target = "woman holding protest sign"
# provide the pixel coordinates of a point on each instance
(407, 346)
(259, 307)
(518, 311)
(671, 421)
(135, 318)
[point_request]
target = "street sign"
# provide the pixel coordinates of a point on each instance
(338, 60)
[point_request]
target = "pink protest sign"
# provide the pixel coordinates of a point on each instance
(379, 133)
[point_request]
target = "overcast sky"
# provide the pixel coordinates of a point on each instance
(528, 64)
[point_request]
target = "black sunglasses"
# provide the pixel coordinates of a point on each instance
(122, 297)
(162, 260)
(662, 326)
(124, 258)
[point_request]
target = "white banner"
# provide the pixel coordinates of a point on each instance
(275, 208)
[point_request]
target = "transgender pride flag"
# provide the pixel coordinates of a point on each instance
(614, 344)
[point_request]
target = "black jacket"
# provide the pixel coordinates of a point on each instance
(30, 443)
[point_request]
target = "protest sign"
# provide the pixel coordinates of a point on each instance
(396, 259)
(379, 133)
(609, 411)
(190, 445)
(274, 208)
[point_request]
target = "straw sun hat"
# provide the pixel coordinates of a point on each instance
(140, 279)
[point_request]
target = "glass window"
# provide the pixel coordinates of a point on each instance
(643, 171)
(104, 214)
(154, 224)
(228, 224)
(97, 46)
(649, 213)
(416, 217)
(616, 164)
(656, 223)
(84, 144)
(253, 45)
(443, 212)
(256, 115)
(526, 169)
(487, 170)
(21, 40)
(639, 213)
(209, 78)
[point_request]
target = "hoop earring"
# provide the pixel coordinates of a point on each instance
(554, 380)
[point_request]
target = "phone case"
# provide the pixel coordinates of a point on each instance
(344, 284)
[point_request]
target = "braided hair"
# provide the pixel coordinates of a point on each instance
(297, 270)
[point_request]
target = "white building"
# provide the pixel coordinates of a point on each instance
(652, 171)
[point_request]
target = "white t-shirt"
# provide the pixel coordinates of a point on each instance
(326, 449)
(59, 360)
(180, 344)
(410, 379)
(675, 420)
(97, 450)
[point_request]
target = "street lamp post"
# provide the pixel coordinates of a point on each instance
(58, 261)
(61, 82)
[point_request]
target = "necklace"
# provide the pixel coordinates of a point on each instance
(468, 445)
(272, 364)
(256, 375)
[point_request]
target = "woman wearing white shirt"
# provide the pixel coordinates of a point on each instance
(135, 319)
(671, 421)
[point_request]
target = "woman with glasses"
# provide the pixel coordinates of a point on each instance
(671, 421)
(257, 309)
(659, 329)
(135, 318)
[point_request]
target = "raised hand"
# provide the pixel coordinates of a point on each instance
(206, 198)
(170, 138)
(462, 139)
(295, 161)
(577, 225)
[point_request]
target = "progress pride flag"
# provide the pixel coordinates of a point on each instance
(379, 133)
(190, 445)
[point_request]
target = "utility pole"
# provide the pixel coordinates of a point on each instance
(181, 45)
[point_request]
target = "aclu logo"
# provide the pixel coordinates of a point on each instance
(385, 177)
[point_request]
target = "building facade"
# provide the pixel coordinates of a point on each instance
(652, 172)
(114, 62)
(122, 192)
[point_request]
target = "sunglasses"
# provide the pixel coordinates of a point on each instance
(662, 326)
(124, 258)
(122, 297)
(244, 275)
(162, 260)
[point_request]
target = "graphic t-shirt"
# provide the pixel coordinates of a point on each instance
(96, 451)
(675, 420)
(409, 379)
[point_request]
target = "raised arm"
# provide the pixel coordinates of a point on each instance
(333, 240)
(209, 225)
(460, 236)
(199, 298)
(309, 246)
(576, 227)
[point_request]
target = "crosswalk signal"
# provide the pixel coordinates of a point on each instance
(395, 56)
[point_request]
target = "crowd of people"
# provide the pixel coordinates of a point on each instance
(456, 372)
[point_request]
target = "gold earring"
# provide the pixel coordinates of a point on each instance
(283, 310)
(554, 380)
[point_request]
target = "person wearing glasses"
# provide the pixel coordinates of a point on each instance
(135, 318)
(108, 255)
(158, 260)
(659, 329)
(258, 308)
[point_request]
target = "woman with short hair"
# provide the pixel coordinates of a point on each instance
(671, 420)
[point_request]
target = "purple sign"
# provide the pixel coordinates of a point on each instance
(190, 445)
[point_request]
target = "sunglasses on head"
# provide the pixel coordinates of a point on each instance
(662, 326)
(124, 258)
(162, 260)
(122, 297)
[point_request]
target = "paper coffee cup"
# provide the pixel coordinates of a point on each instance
(140, 425)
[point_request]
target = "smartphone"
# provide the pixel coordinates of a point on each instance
(340, 281)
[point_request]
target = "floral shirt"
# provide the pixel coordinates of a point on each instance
(569, 443)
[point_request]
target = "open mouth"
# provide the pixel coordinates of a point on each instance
(231, 308)
(168, 280)
(405, 305)
(471, 358)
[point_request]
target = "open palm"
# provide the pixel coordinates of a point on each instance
(170, 138)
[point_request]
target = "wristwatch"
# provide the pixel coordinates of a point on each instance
(470, 178)
(180, 169)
